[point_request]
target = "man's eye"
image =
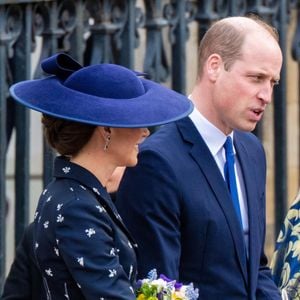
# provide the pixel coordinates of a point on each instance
(256, 77)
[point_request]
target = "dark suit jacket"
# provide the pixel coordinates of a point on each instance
(178, 208)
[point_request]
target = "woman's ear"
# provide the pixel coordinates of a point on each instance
(106, 135)
(107, 130)
(104, 131)
(214, 64)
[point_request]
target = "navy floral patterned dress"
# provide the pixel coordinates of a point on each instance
(81, 245)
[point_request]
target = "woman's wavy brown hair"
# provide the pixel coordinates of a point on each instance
(66, 137)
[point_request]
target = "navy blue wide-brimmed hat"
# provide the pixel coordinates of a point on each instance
(102, 94)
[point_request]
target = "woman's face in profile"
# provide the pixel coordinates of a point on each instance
(124, 145)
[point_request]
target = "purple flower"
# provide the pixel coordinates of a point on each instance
(139, 283)
(165, 278)
(177, 285)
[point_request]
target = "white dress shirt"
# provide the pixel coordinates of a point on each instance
(215, 139)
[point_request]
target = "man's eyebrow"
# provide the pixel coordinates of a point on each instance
(276, 79)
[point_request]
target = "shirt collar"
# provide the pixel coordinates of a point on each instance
(212, 136)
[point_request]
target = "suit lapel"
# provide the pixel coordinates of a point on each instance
(248, 170)
(210, 170)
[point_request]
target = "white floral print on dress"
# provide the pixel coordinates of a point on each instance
(96, 191)
(49, 198)
(66, 169)
(100, 208)
(118, 216)
(60, 218)
(112, 252)
(90, 232)
(130, 271)
(112, 273)
(56, 251)
(59, 206)
(66, 291)
(46, 224)
(49, 272)
(80, 260)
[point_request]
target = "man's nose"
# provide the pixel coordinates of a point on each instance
(265, 93)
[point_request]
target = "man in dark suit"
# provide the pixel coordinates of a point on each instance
(176, 202)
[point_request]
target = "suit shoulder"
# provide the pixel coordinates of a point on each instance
(163, 138)
(249, 139)
(247, 136)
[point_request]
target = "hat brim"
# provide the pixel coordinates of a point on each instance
(159, 105)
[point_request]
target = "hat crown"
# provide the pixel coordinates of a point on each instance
(106, 81)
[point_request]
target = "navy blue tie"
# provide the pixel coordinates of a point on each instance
(230, 177)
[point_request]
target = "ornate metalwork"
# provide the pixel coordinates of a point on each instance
(21, 68)
(13, 27)
(107, 23)
(10, 28)
(67, 23)
(208, 12)
(155, 63)
(266, 9)
(237, 7)
(139, 23)
(179, 14)
(46, 27)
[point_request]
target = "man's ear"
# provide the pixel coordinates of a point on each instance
(214, 64)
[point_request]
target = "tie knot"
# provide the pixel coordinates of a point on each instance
(228, 146)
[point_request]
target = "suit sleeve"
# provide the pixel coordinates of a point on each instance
(266, 287)
(144, 198)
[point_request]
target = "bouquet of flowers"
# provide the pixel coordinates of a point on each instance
(163, 288)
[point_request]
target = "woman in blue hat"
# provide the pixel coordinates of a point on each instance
(94, 117)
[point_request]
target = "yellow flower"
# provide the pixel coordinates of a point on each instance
(177, 296)
(141, 297)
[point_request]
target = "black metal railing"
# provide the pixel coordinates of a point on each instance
(110, 31)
